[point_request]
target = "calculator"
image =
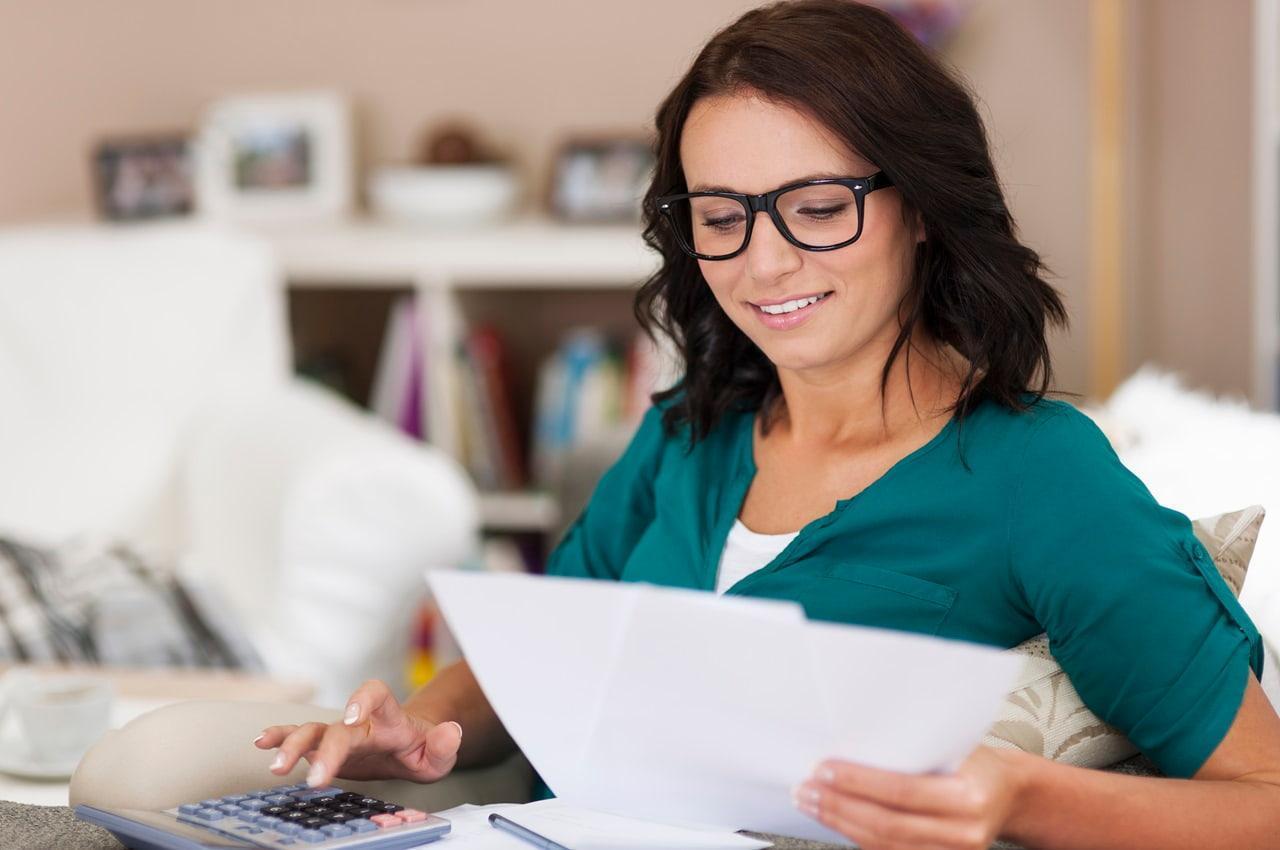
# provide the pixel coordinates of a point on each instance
(292, 816)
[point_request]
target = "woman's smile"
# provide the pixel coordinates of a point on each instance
(785, 313)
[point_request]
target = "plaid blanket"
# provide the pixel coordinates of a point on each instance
(93, 604)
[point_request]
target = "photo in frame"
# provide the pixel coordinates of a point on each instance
(600, 179)
(143, 177)
(276, 157)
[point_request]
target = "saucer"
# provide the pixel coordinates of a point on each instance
(25, 766)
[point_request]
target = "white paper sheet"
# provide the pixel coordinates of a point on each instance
(580, 829)
(689, 708)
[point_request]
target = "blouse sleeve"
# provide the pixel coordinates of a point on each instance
(1136, 613)
(620, 509)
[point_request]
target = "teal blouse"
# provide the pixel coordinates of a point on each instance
(1046, 531)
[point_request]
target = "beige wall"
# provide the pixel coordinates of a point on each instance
(71, 70)
(1192, 258)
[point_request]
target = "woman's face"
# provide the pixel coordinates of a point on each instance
(747, 144)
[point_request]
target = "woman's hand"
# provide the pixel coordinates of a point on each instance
(376, 739)
(887, 810)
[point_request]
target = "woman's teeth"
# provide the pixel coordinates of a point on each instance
(791, 306)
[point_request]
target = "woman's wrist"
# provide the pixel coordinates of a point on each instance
(1026, 773)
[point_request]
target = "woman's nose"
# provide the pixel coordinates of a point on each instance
(768, 253)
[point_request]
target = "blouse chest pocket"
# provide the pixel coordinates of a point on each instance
(872, 596)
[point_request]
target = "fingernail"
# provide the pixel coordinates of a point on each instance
(260, 737)
(352, 715)
(316, 774)
(825, 774)
(805, 794)
(459, 725)
(279, 760)
(805, 799)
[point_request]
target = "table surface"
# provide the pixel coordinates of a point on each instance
(56, 828)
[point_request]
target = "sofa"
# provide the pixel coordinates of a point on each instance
(150, 399)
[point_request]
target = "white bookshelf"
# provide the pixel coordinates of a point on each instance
(1266, 204)
(450, 270)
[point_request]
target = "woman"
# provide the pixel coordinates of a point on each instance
(857, 430)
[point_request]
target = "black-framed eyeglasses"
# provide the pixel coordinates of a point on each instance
(816, 215)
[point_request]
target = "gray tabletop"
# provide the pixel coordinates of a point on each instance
(56, 828)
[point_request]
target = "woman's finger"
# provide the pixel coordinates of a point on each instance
(331, 753)
(272, 736)
(372, 699)
(301, 740)
(873, 824)
(441, 747)
(934, 794)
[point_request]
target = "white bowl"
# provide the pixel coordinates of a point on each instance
(443, 194)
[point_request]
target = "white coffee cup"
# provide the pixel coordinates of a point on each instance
(58, 716)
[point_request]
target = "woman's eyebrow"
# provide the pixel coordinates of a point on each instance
(819, 175)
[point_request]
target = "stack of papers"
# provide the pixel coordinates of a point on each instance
(687, 708)
(580, 829)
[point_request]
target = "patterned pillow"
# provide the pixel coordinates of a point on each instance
(88, 602)
(1044, 715)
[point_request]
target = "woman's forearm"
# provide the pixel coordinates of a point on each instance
(1066, 808)
(454, 694)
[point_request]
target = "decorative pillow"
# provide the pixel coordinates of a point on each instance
(1044, 715)
(88, 603)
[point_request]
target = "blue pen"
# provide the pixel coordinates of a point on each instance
(524, 833)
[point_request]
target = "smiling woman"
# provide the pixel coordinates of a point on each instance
(835, 349)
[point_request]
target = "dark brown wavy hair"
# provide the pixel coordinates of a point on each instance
(974, 285)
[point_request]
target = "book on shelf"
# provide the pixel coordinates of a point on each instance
(491, 444)
(398, 393)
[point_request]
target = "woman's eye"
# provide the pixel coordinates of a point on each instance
(724, 223)
(824, 212)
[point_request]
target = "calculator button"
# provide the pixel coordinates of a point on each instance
(362, 825)
(189, 808)
(267, 822)
(312, 823)
(235, 798)
(278, 799)
(365, 812)
(287, 828)
(248, 817)
(229, 809)
(312, 836)
(298, 806)
(323, 801)
(276, 810)
(384, 820)
(411, 815)
(294, 816)
(254, 804)
(212, 803)
(336, 830)
(286, 789)
(210, 814)
(350, 797)
(369, 801)
(318, 811)
(389, 808)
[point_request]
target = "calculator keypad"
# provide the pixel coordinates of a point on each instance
(294, 815)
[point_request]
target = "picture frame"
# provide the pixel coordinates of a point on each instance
(276, 157)
(599, 179)
(143, 177)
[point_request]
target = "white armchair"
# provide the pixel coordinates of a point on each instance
(148, 397)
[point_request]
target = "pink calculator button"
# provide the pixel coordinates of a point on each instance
(411, 815)
(385, 821)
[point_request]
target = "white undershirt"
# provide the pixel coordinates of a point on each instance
(746, 551)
